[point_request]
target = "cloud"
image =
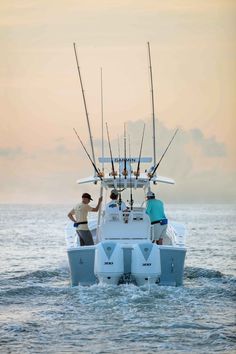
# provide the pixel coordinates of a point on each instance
(11, 152)
(200, 175)
(210, 146)
(191, 150)
(198, 164)
(61, 149)
(18, 152)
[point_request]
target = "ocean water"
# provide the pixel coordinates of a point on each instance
(41, 313)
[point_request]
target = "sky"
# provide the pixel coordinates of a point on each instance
(193, 55)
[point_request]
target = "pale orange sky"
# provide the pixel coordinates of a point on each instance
(193, 58)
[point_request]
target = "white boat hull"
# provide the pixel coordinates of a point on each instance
(171, 273)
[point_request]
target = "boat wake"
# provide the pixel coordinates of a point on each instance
(127, 313)
(197, 272)
(42, 275)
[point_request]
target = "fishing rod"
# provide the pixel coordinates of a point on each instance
(118, 141)
(130, 176)
(112, 161)
(99, 174)
(119, 180)
(125, 170)
(153, 108)
(119, 184)
(85, 105)
(102, 124)
(101, 187)
(140, 152)
(157, 165)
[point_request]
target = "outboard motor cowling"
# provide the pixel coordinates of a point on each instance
(146, 263)
(109, 262)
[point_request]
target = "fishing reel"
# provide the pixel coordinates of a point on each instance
(125, 172)
(100, 174)
(113, 173)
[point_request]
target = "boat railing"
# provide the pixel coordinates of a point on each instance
(177, 232)
(71, 236)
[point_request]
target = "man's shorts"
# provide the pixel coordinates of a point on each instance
(159, 231)
(86, 238)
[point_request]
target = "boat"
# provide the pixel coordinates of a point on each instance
(123, 251)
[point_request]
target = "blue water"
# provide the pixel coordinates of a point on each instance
(41, 313)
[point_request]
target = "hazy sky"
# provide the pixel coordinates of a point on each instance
(193, 58)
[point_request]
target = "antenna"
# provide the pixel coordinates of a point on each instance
(85, 105)
(153, 108)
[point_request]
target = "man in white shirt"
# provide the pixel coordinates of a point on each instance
(114, 206)
(79, 215)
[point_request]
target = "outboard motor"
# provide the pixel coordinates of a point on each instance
(146, 263)
(109, 262)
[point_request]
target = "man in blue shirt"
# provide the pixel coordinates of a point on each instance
(155, 210)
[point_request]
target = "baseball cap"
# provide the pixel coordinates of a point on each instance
(86, 195)
(150, 194)
(114, 191)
